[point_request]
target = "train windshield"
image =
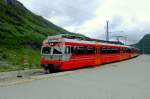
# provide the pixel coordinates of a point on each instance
(46, 50)
(52, 50)
(56, 50)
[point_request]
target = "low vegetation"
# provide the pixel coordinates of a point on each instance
(19, 59)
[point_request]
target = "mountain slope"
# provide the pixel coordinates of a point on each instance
(20, 26)
(144, 44)
(21, 35)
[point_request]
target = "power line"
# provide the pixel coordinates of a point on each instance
(117, 36)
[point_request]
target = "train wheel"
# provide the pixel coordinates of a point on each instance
(46, 71)
(52, 70)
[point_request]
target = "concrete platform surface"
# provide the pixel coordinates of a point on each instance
(128, 79)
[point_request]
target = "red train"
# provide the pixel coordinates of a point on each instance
(63, 53)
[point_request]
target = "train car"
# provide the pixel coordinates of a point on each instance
(61, 53)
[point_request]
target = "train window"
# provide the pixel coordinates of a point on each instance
(90, 50)
(80, 50)
(124, 50)
(67, 50)
(103, 50)
(116, 50)
(128, 50)
(46, 50)
(108, 50)
(72, 49)
(75, 50)
(57, 50)
(112, 50)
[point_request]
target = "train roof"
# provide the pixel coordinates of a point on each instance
(74, 39)
(82, 37)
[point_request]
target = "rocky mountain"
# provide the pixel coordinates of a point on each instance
(144, 44)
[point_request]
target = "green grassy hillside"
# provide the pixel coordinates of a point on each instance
(144, 44)
(20, 26)
(21, 35)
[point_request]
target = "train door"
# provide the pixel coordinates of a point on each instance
(97, 55)
(67, 53)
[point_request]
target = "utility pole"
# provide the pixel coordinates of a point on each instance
(107, 33)
(107, 30)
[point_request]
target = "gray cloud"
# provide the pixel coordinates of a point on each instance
(116, 22)
(69, 12)
(133, 34)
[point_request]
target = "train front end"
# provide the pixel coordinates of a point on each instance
(52, 55)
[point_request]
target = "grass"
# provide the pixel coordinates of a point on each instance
(14, 59)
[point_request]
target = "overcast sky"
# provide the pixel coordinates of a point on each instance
(129, 18)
